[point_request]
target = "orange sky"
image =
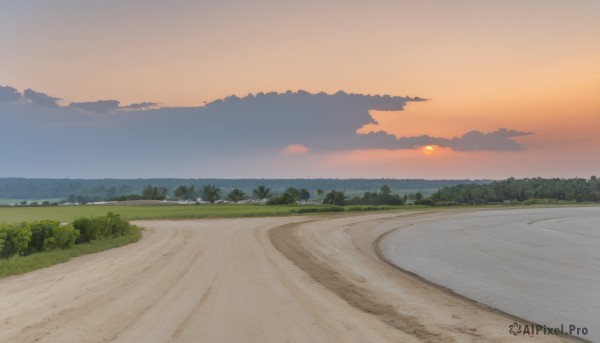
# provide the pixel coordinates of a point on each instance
(524, 65)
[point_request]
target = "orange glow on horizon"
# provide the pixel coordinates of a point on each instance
(427, 150)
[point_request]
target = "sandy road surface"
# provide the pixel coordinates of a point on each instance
(539, 264)
(228, 281)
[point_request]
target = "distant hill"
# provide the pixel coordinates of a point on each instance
(100, 189)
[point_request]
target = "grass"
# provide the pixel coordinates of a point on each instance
(23, 264)
(68, 213)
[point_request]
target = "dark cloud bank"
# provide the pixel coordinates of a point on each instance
(36, 130)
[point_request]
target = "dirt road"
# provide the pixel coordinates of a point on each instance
(293, 279)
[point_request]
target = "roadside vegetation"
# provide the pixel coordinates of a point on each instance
(28, 246)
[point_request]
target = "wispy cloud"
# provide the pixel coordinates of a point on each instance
(499, 140)
(296, 149)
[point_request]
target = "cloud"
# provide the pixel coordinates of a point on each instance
(296, 149)
(79, 137)
(139, 106)
(499, 140)
(99, 106)
(40, 99)
(9, 94)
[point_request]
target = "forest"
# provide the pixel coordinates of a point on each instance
(521, 190)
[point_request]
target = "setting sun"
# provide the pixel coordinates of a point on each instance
(427, 150)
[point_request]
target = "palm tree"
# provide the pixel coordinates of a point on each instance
(236, 195)
(320, 193)
(181, 192)
(335, 198)
(210, 193)
(261, 192)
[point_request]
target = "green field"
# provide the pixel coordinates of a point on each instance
(68, 213)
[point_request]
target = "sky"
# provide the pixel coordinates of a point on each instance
(488, 69)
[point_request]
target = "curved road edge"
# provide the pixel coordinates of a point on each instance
(288, 240)
(484, 307)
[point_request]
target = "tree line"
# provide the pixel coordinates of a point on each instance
(92, 190)
(291, 195)
(522, 190)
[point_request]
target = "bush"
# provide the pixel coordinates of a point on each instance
(29, 238)
(88, 229)
(116, 225)
(17, 239)
(40, 231)
(2, 240)
(101, 227)
(64, 236)
(50, 244)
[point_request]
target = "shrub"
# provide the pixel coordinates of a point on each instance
(112, 225)
(116, 225)
(2, 240)
(64, 236)
(89, 229)
(40, 231)
(17, 239)
(28, 238)
(50, 244)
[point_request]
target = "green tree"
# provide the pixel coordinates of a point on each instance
(304, 194)
(385, 189)
(292, 191)
(154, 193)
(261, 192)
(418, 196)
(236, 195)
(211, 193)
(180, 192)
(320, 193)
(285, 198)
(335, 198)
(185, 193)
